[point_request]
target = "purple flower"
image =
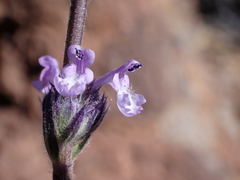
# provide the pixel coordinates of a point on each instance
(74, 78)
(128, 102)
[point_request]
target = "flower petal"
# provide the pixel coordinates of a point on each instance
(120, 84)
(72, 53)
(42, 87)
(88, 55)
(69, 71)
(47, 74)
(71, 83)
(130, 104)
(51, 68)
(131, 66)
(89, 76)
(66, 89)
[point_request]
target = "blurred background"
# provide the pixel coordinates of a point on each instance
(190, 126)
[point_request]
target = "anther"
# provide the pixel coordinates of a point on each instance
(79, 54)
(135, 67)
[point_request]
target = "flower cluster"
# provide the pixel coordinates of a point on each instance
(75, 77)
(73, 109)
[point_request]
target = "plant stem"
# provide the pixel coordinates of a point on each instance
(62, 172)
(76, 24)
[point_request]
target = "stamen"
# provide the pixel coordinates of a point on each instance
(79, 54)
(135, 67)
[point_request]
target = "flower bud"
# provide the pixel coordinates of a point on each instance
(68, 122)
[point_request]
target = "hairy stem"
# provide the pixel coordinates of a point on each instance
(76, 24)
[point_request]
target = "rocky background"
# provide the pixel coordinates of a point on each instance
(190, 126)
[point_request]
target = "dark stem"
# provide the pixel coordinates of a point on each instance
(62, 172)
(76, 24)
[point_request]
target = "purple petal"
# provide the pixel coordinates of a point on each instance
(120, 84)
(68, 91)
(69, 71)
(89, 76)
(71, 83)
(67, 88)
(72, 53)
(87, 55)
(51, 68)
(47, 74)
(130, 104)
(129, 67)
(42, 87)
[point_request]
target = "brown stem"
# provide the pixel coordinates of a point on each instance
(76, 24)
